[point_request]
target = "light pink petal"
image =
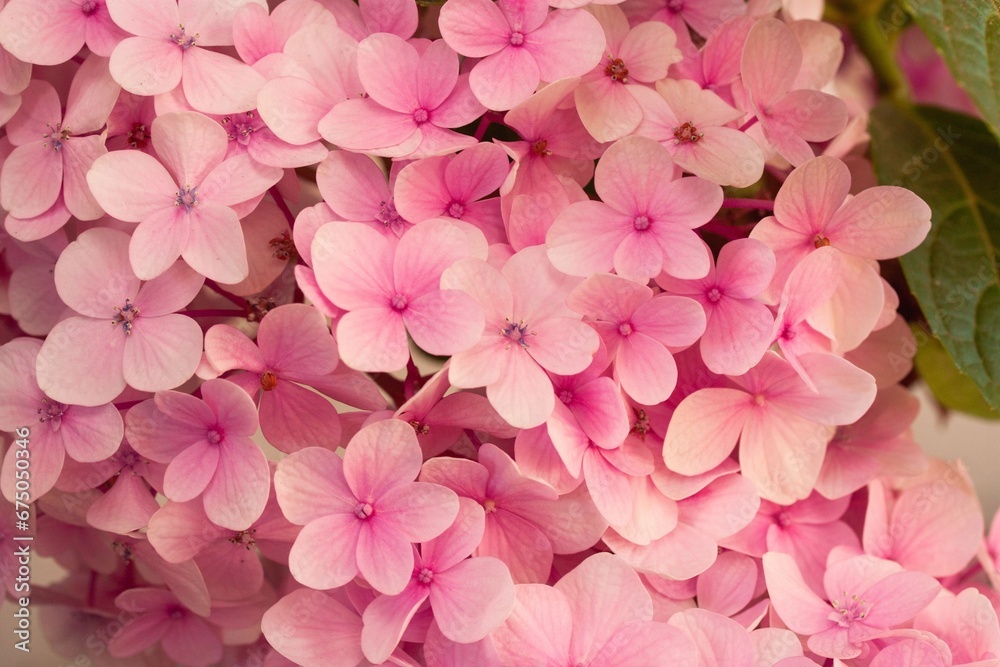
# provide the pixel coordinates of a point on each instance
(600, 411)
(218, 84)
(728, 586)
(472, 599)
(444, 322)
(899, 597)
(323, 555)
(47, 459)
(162, 352)
(189, 144)
(233, 410)
(33, 229)
(562, 345)
(458, 541)
(382, 456)
(845, 392)
(296, 337)
(190, 472)
(93, 276)
(645, 368)
(31, 180)
(131, 185)
(798, 606)
(215, 246)
(782, 453)
(538, 629)
(228, 348)
(583, 238)
(138, 635)
(523, 394)
(771, 60)
(147, 65)
(329, 629)
(373, 339)
(880, 223)
(292, 109)
(46, 37)
(474, 28)
(629, 174)
(418, 511)
(78, 156)
(237, 180)
(604, 594)
(158, 241)
(92, 434)
(293, 417)
(610, 488)
(385, 558)
(172, 290)
(475, 172)
(236, 495)
(354, 267)
(607, 108)
(81, 362)
(737, 335)
(704, 429)
(388, 68)
(365, 125)
(824, 118)
(722, 155)
(437, 75)
(150, 20)
(745, 268)
(386, 619)
(909, 653)
(673, 321)
(558, 56)
(310, 484)
(719, 640)
(519, 544)
(505, 79)
(127, 506)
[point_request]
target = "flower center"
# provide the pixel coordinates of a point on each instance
(641, 426)
(51, 411)
(125, 316)
(420, 116)
(187, 197)
(787, 332)
(759, 399)
(56, 137)
(419, 427)
(849, 609)
(640, 222)
(821, 241)
(540, 148)
(516, 38)
(176, 613)
(616, 69)
(456, 210)
(398, 302)
(687, 132)
(388, 216)
(241, 126)
(268, 381)
(214, 436)
(425, 576)
(138, 136)
(625, 328)
(282, 247)
(515, 332)
(244, 537)
(675, 6)
(566, 396)
(783, 519)
(363, 510)
(490, 506)
(181, 38)
(714, 294)
(88, 7)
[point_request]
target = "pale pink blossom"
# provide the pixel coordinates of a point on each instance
(159, 617)
(521, 43)
(361, 513)
(127, 331)
(644, 222)
(55, 34)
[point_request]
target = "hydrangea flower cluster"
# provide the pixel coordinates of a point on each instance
(518, 333)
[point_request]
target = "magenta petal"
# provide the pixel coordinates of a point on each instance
(472, 599)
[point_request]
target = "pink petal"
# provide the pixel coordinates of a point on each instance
(523, 394)
(737, 335)
(292, 417)
(704, 429)
(46, 37)
(380, 457)
(126, 507)
(458, 541)
(771, 60)
(645, 368)
(310, 484)
(444, 322)
(237, 180)
(170, 291)
(81, 362)
(364, 125)
(583, 238)
(236, 495)
(745, 268)
(373, 340)
(158, 241)
(539, 628)
(385, 558)
(323, 555)
(880, 223)
(190, 472)
(292, 109)
(798, 606)
(387, 617)
(189, 144)
(31, 179)
(93, 276)
(387, 66)
(353, 266)
(418, 511)
(472, 599)
(329, 629)
(219, 84)
(147, 65)
(215, 246)
(504, 79)
(162, 352)
(131, 185)
(562, 345)
(558, 57)
(474, 28)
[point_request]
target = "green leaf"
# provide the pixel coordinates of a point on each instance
(953, 389)
(952, 162)
(967, 33)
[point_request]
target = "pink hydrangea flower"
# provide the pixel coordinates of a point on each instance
(410, 106)
(866, 598)
(207, 448)
(294, 348)
(528, 331)
(183, 201)
(166, 49)
(57, 430)
(127, 331)
(520, 43)
(159, 617)
(57, 33)
(391, 291)
(362, 513)
(469, 597)
(644, 222)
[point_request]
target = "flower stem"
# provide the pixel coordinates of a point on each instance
(282, 205)
(214, 286)
(214, 312)
(758, 204)
(412, 378)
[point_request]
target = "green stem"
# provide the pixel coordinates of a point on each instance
(872, 41)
